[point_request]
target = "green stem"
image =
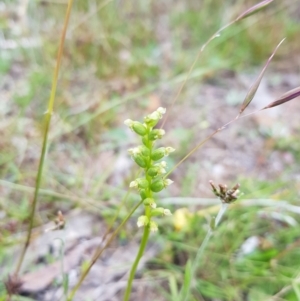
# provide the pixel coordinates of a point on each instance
(34, 203)
(136, 262)
(145, 237)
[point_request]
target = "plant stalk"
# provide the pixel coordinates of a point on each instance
(99, 252)
(140, 253)
(48, 116)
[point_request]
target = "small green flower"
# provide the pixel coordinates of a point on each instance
(156, 134)
(150, 202)
(140, 160)
(145, 140)
(161, 171)
(143, 220)
(160, 211)
(169, 150)
(160, 184)
(161, 152)
(136, 126)
(156, 170)
(140, 150)
(153, 226)
(144, 150)
(158, 154)
(161, 164)
(129, 123)
(157, 185)
(153, 118)
(139, 183)
(157, 211)
(167, 212)
(134, 151)
(152, 172)
(143, 194)
(139, 128)
(133, 184)
(153, 205)
(168, 182)
(146, 156)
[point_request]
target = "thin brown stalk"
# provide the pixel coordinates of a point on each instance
(99, 252)
(215, 35)
(201, 143)
(116, 215)
(281, 100)
(48, 116)
(252, 10)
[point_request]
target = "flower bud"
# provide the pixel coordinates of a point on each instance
(153, 118)
(134, 151)
(153, 226)
(136, 126)
(157, 211)
(145, 140)
(161, 171)
(167, 212)
(157, 185)
(144, 150)
(142, 183)
(161, 164)
(139, 128)
(129, 123)
(150, 202)
(140, 160)
(139, 183)
(153, 205)
(153, 171)
(160, 211)
(158, 154)
(143, 194)
(134, 184)
(156, 134)
(169, 150)
(161, 111)
(143, 220)
(167, 182)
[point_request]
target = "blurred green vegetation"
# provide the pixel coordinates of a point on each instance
(117, 55)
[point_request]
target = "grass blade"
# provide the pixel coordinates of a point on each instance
(253, 89)
(187, 280)
(296, 289)
(253, 10)
(284, 98)
(173, 287)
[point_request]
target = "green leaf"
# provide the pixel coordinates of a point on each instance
(185, 290)
(173, 287)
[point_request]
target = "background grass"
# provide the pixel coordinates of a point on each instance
(122, 60)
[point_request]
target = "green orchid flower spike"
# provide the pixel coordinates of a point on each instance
(152, 181)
